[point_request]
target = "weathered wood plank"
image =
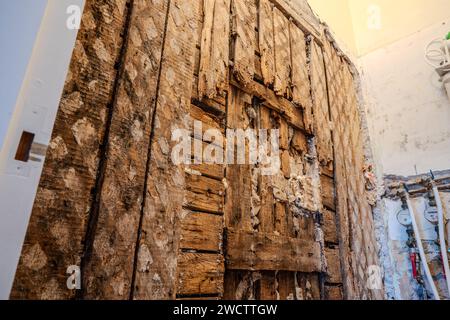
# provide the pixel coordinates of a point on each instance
(329, 227)
(328, 192)
(267, 289)
(238, 176)
(286, 285)
(211, 203)
(108, 265)
(156, 265)
(321, 106)
(201, 231)
(261, 251)
(204, 194)
(200, 273)
(282, 54)
(334, 274)
(303, 22)
(292, 114)
(213, 171)
(301, 88)
(266, 42)
(244, 13)
(58, 223)
(214, 60)
(266, 213)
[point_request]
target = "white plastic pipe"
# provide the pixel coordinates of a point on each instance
(442, 234)
(423, 257)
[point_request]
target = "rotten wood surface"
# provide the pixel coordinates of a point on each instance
(258, 251)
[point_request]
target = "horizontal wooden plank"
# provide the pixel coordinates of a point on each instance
(328, 192)
(200, 274)
(201, 231)
(260, 251)
(292, 114)
(214, 171)
(205, 185)
(208, 120)
(203, 202)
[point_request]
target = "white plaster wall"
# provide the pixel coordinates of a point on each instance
(408, 111)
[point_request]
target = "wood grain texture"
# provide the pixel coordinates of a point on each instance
(322, 115)
(259, 251)
(301, 88)
(282, 54)
(156, 270)
(108, 266)
(244, 13)
(200, 273)
(201, 231)
(214, 59)
(266, 42)
(333, 266)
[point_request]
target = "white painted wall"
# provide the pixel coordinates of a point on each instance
(34, 111)
(407, 107)
(19, 24)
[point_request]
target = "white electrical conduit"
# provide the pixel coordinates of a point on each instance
(423, 257)
(442, 234)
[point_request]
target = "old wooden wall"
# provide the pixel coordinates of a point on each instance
(141, 227)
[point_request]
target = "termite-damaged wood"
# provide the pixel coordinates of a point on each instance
(261, 251)
(108, 265)
(201, 231)
(200, 274)
(266, 42)
(214, 74)
(159, 238)
(244, 13)
(55, 235)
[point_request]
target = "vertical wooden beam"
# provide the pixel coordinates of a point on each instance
(266, 41)
(156, 263)
(244, 13)
(301, 87)
(214, 59)
(108, 266)
(282, 54)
